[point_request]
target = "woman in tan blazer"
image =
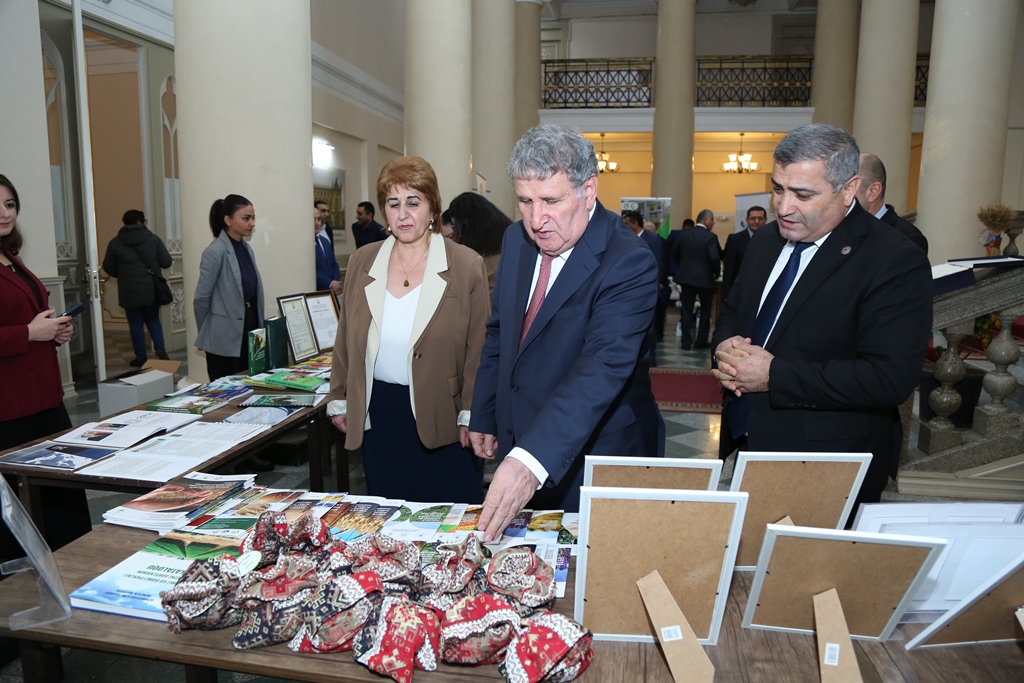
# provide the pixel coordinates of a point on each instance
(408, 347)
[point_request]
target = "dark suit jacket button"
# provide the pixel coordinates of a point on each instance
(515, 387)
(417, 356)
(509, 432)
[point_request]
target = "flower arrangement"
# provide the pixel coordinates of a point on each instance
(997, 219)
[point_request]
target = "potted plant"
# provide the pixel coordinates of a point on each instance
(997, 219)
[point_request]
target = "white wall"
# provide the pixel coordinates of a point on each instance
(367, 34)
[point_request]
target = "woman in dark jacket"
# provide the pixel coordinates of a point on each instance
(133, 256)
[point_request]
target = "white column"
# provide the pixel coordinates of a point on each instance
(24, 145)
(494, 80)
(833, 76)
(244, 96)
(438, 83)
(528, 74)
(965, 121)
(884, 105)
(673, 107)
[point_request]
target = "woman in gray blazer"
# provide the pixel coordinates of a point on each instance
(229, 296)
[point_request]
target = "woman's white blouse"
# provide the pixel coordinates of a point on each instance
(392, 363)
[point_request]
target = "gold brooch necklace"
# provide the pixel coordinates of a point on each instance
(402, 263)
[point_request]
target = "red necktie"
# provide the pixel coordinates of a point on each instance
(538, 294)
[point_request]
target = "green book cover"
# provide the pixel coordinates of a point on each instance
(258, 357)
(295, 380)
(277, 341)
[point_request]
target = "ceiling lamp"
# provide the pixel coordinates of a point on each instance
(603, 162)
(740, 163)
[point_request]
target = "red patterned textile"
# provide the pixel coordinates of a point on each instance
(453, 576)
(204, 596)
(395, 561)
(520, 574)
(402, 637)
(477, 630)
(551, 648)
(336, 612)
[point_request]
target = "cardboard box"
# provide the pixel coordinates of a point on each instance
(155, 379)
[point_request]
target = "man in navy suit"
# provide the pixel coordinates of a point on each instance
(635, 222)
(825, 330)
(561, 374)
(736, 247)
(700, 261)
(328, 273)
(871, 197)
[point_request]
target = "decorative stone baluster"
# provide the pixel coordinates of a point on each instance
(995, 417)
(939, 433)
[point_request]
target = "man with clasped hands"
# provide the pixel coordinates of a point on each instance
(561, 374)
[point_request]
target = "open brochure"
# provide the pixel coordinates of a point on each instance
(125, 430)
(164, 457)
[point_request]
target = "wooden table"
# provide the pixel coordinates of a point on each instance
(318, 425)
(741, 654)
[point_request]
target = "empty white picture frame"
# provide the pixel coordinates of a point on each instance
(984, 616)
(876, 576)
(690, 537)
(700, 474)
(812, 489)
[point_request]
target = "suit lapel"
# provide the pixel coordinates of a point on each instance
(16, 281)
(761, 260)
(233, 261)
(841, 243)
(435, 283)
(378, 284)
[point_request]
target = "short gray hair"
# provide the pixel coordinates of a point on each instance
(833, 146)
(545, 150)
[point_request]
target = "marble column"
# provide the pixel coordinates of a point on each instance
(438, 90)
(528, 67)
(244, 104)
(966, 118)
(494, 104)
(884, 105)
(834, 74)
(674, 87)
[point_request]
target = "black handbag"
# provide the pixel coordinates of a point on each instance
(164, 295)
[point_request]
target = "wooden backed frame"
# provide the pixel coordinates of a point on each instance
(698, 474)
(876, 575)
(986, 615)
(690, 537)
(813, 489)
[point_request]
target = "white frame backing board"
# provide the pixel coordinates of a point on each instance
(690, 537)
(871, 516)
(876, 575)
(812, 489)
(984, 616)
(624, 471)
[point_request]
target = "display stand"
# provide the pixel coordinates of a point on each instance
(685, 657)
(689, 537)
(697, 474)
(875, 576)
(991, 613)
(836, 659)
(54, 604)
(814, 489)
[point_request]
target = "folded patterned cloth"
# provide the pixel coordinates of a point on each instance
(274, 599)
(478, 629)
(204, 596)
(400, 637)
(273, 535)
(455, 575)
(336, 611)
(395, 561)
(521, 575)
(548, 647)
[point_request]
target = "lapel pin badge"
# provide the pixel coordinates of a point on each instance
(846, 250)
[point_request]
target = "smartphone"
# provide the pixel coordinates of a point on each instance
(73, 310)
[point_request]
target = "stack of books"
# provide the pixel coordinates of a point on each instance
(178, 501)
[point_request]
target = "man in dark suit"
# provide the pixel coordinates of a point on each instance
(561, 374)
(871, 196)
(328, 273)
(670, 244)
(325, 217)
(635, 222)
(366, 230)
(736, 247)
(838, 342)
(699, 259)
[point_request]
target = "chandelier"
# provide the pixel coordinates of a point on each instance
(739, 163)
(603, 162)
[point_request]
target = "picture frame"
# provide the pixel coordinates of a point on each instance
(697, 474)
(623, 536)
(300, 329)
(875, 575)
(323, 312)
(812, 489)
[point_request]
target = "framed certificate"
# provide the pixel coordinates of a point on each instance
(300, 329)
(323, 311)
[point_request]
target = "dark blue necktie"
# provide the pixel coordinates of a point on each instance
(738, 414)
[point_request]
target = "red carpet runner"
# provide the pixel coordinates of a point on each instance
(686, 390)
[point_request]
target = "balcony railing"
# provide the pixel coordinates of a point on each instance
(720, 82)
